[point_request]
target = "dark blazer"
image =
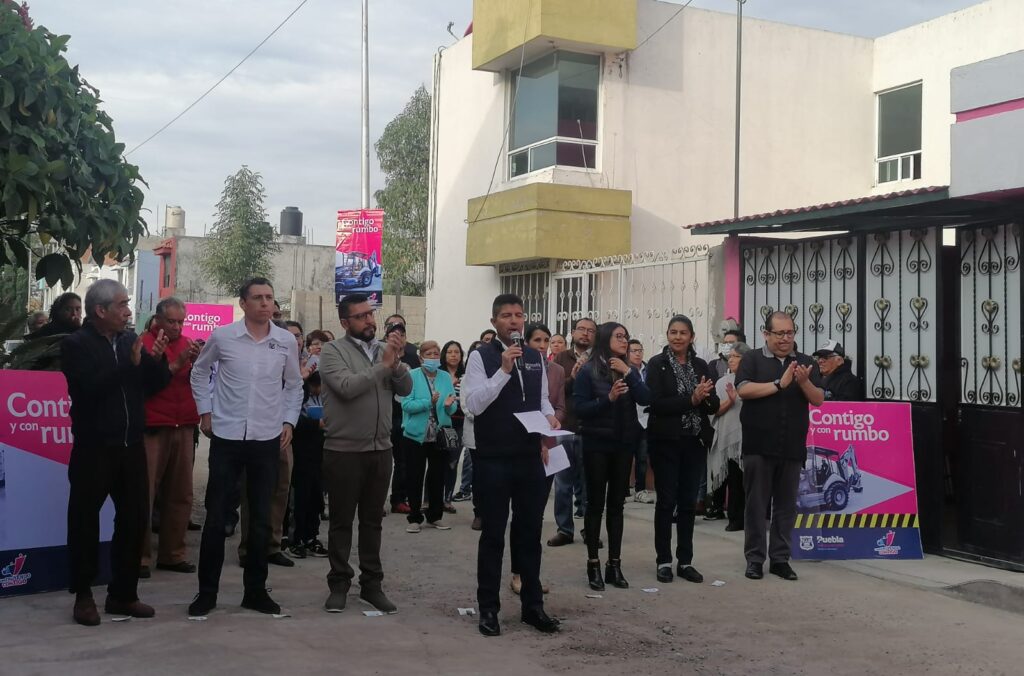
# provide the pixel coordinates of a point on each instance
(668, 406)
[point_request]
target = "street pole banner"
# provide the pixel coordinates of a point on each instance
(35, 447)
(858, 492)
(358, 264)
(202, 318)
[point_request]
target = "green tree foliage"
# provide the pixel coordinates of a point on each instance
(242, 243)
(404, 154)
(62, 172)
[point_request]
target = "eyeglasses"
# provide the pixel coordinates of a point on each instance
(620, 336)
(782, 334)
(362, 316)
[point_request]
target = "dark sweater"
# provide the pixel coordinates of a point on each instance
(600, 418)
(667, 405)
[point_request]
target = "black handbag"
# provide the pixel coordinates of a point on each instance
(448, 438)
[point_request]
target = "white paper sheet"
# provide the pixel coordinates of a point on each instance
(535, 422)
(558, 460)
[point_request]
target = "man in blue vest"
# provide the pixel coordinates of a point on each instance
(503, 379)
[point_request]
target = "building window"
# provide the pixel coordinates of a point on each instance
(899, 134)
(554, 113)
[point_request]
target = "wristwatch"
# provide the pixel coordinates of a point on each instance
(778, 384)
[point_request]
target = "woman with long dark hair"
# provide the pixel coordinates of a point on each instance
(682, 389)
(454, 362)
(606, 393)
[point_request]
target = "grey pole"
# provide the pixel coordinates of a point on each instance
(366, 108)
(739, 88)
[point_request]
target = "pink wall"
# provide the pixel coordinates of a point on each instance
(733, 268)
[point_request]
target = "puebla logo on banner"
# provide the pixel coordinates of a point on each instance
(857, 494)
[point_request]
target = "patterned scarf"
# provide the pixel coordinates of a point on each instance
(686, 383)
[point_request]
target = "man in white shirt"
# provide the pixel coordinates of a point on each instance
(249, 417)
(503, 379)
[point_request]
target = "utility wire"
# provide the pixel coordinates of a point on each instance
(670, 20)
(218, 83)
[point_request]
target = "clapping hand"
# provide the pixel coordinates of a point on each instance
(701, 392)
(449, 400)
(787, 376)
(618, 366)
(730, 389)
(801, 373)
(434, 396)
(619, 388)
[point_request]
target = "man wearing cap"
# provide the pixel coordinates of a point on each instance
(838, 379)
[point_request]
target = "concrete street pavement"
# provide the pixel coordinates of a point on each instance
(856, 618)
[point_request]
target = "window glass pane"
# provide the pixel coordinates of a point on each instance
(917, 165)
(579, 76)
(519, 163)
(534, 117)
(887, 171)
(542, 156)
(576, 155)
(899, 121)
(905, 163)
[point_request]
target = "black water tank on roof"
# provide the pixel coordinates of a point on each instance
(291, 221)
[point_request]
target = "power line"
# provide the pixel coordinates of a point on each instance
(218, 83)
(670, 20)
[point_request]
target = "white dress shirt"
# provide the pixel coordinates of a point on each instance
(248, 401)
(479, 391)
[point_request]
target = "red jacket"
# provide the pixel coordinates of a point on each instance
(173, 406)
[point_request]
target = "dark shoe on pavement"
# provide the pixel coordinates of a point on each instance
(560, 539)
(279, 559)
(540, 620)
(261, 602)
(297, 551)
(733, 527)
(179, 567)
(477, 524)
(317, 549)
(689, 573)
(783, 570)
(202, 604)
(489, 625)
(336, 602)
(145, 573)
(462, 497)
(376, 598)
(613, 574)
(664, 573)
(85, 612)
(193, 526)
(594, 575)
(134, 608)
(755, 571)
(713, 515)
(578, 514)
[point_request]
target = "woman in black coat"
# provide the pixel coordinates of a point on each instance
(679, 432)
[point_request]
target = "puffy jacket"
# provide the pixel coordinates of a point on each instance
(600, 417)
(416, 405)
(668, 406)
(842, 385)
(173, 405)
(108, 391)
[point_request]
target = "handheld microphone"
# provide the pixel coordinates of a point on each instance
(517, 340)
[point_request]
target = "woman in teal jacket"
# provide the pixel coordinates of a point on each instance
(425, 411)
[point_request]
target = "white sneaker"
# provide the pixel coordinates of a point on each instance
(639, 496)
(438, 525)
(412, 528)
(645, 497)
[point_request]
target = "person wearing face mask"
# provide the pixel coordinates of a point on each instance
(425, 411)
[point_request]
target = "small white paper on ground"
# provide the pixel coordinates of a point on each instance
(278, 616)
(121, 618)
(373, 613)
(595, 596)
(197, 618)
(651, 590)
(467, 611)
(558, 460)
(718, 583)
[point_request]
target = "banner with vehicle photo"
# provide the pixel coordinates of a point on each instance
(858, 493)
(358, 264)
(35, 447)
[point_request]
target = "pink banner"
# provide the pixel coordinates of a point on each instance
(35, 415)
(201, 319)
(358, 264)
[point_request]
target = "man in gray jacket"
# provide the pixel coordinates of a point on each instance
(360, 376)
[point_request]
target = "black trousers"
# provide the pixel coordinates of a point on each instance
(737, 499)
(775, 480)
(678, 467)
(95, 473)
(606, 471)
(228, 459)
(430, 460)
(307, 490)
(498, 482)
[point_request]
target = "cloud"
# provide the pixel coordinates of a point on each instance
(292, 111)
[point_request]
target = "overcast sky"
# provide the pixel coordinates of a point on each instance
(292, 111)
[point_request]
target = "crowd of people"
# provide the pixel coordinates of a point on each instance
(305, 427)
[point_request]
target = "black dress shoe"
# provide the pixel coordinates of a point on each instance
(755, 571)
(180, 567)
(783, 570)
(560, 539)
(489, 625)
(733, 527)
(664, 573)
(193, 526)
(689, 573)
(279, 559)
(144, 573)
(594, 575)
(261, 602)
(202, 604)
(540, 620)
